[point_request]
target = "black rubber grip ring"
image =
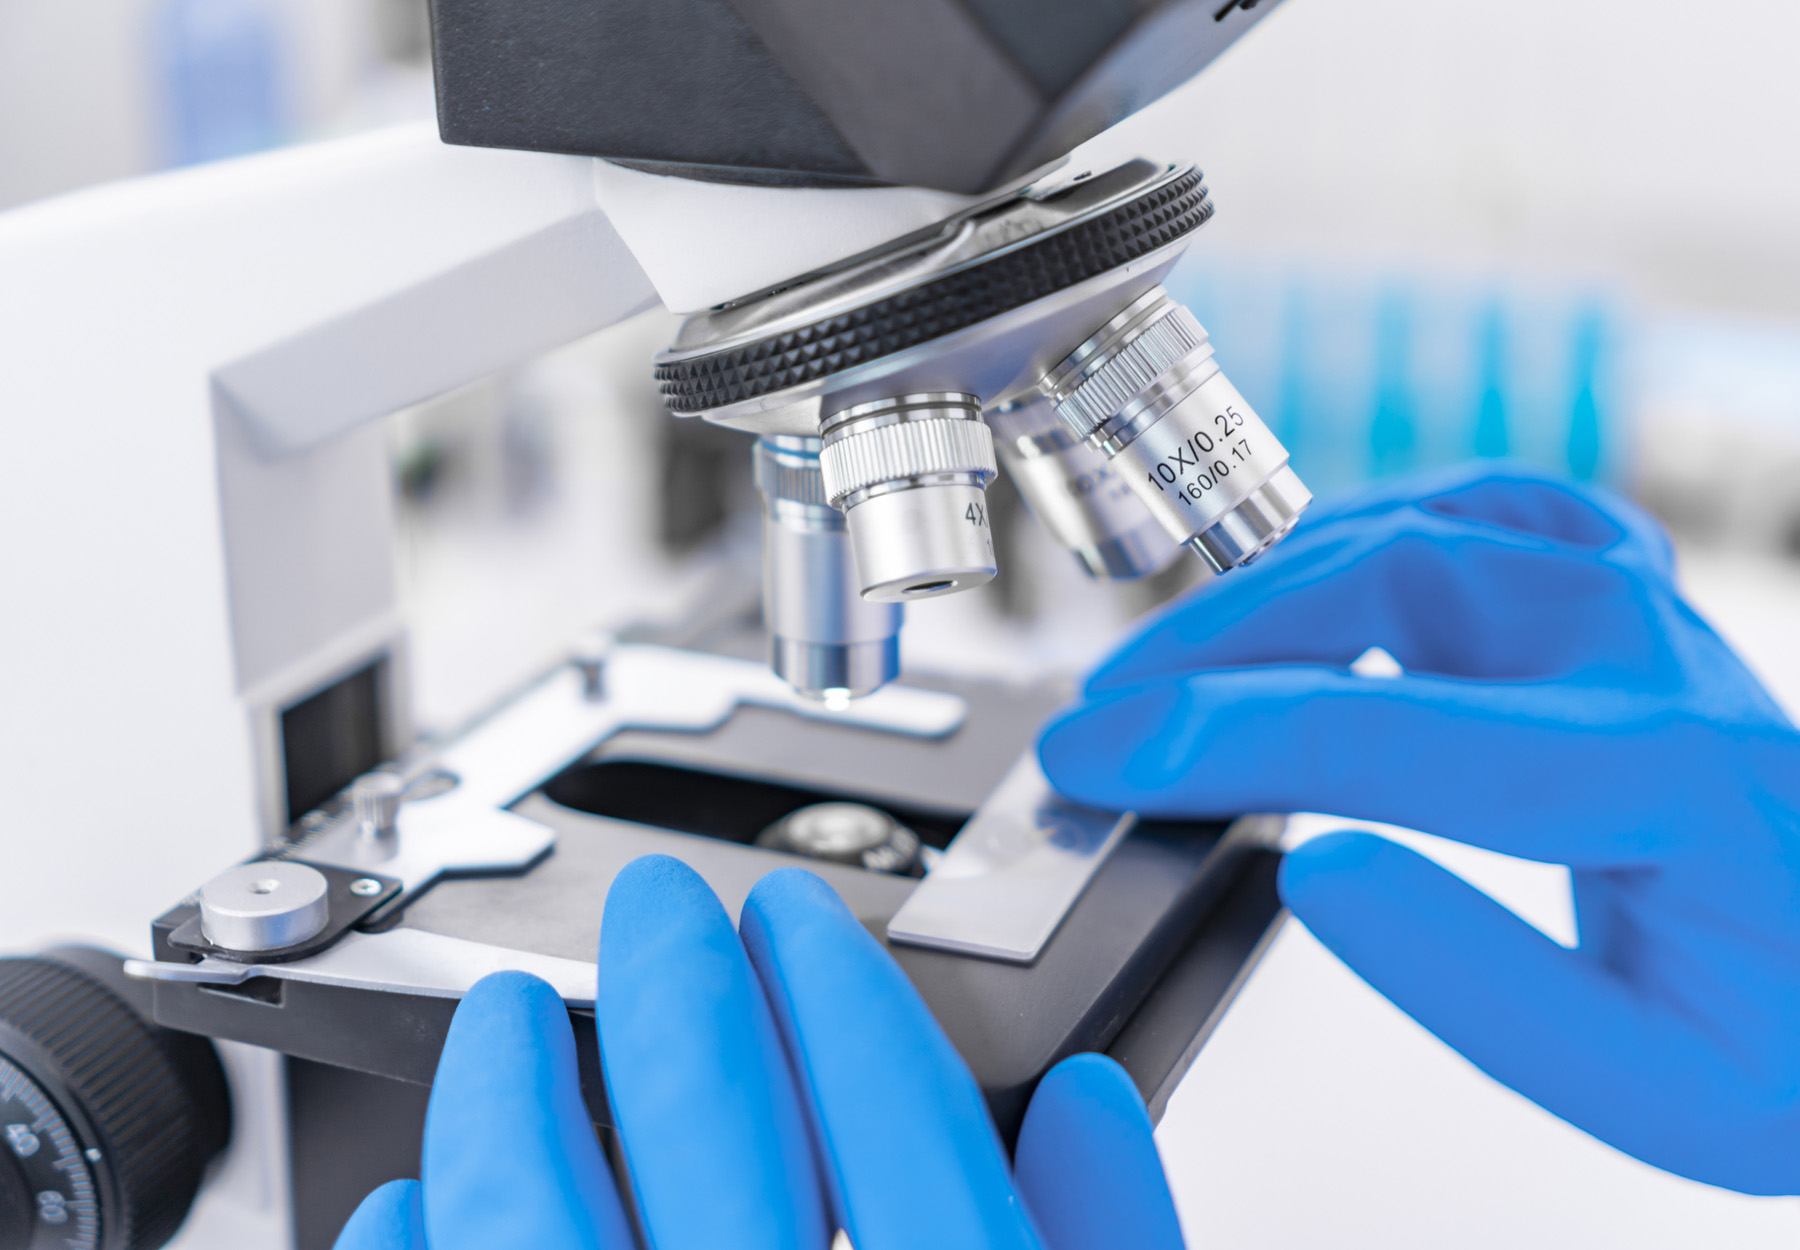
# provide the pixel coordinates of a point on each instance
(940, 307)
(120, 1074)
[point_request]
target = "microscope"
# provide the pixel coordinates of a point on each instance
(898, 275)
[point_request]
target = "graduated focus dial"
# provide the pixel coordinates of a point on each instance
(47, 1194)
(107, 1123)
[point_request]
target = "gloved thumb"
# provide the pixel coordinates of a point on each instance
(1086, 1163)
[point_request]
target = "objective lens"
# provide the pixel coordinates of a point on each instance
(911, 477)
(1145, 391)
(825, 639)
(1076, 495)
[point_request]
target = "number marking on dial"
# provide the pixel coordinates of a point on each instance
(53, 1164)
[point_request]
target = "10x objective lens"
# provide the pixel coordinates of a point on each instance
(911, 476)
(1145, 391)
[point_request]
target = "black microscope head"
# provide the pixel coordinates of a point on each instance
(956, 95)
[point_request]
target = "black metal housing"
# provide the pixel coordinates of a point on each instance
(961, 95)
(1174, 904)
(329, 1105)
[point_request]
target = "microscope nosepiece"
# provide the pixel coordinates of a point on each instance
(911, 475)
(884, 357)
(1145, 391)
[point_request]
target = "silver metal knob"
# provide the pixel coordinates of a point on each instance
(589, 656)
(910, 475)
(375, 802)
(846, 833)
(264, 906)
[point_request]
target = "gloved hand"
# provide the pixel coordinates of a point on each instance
(766, 1093)
(1561, 703)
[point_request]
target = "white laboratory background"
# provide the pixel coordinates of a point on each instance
(1560, 231)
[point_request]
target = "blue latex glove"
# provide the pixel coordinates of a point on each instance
(767, 1091)
(1560, 703)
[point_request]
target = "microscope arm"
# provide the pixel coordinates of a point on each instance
(195, 495)
(196, 505)
(329, 285)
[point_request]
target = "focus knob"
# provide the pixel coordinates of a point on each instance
(107, 1122)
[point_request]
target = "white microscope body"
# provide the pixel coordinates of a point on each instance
(197, 495)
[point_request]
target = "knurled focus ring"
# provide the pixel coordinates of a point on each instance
(1134, 365)
(860, 458)
(790, 475)
(943, 306)
(121, 1078)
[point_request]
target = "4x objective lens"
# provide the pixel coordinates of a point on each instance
(911, 476)
(825, 639)
(1145, 391)
(1078, 497)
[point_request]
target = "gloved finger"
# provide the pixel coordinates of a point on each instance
(1557, 772)
(1472, 580)
(1437, 599)
(1511, 495)
(1520, 500)
(1086, 1163)
(699, 1084)
(904, 1131)
(388, 1219)
(510, 1156)
(1551, 1023)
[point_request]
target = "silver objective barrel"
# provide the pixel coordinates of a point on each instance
(826, 640)
(911, 475)
(1145, 391)
(1076, 495)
